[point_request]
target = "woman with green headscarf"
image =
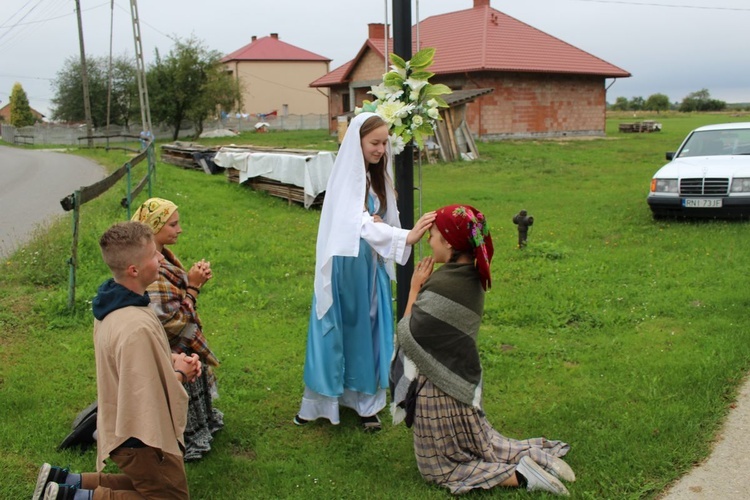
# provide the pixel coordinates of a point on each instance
(174, 297)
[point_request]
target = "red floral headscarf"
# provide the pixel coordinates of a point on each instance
(466, 229)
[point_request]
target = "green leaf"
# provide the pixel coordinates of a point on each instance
(397, 61)
(426, 128)
(422, 59)
(435, 90)
(422, 75)
(441, 102)
(419, 140)
(393, 80)
(369, 106)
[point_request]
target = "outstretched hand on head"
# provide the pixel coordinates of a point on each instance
(422, 226)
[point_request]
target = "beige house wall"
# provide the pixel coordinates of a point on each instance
(269, 85)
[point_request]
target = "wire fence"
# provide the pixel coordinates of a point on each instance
(72, 134)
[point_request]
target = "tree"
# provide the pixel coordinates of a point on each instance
(701, 101)
(621, 104)
(190, 83)
(657, 102)
(67, 103)
(637, 103)
(20, 111)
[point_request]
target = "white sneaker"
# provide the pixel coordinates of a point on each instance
(560, 469)
(538, 479)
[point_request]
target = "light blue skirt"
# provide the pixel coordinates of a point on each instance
(352, 345)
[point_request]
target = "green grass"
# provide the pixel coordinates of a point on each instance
(623, 336)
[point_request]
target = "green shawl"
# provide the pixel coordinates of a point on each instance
(439, 337)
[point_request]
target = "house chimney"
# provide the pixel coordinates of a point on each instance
(253, 38)
(376, 30)
(481, 3)
(275, 36)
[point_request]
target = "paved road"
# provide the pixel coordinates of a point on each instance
(32, 183)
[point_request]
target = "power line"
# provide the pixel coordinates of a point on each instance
(20, 10)
(174, 39)
(37, 21)
(20, 29)
(677, 6)
(27, 77)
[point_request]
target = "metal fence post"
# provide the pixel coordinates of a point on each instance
(73, 261)
(151, 166)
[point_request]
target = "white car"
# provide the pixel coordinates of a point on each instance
(708, 176)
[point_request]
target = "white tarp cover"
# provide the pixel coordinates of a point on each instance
(308, 171)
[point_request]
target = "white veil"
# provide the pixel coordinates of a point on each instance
(341, 217)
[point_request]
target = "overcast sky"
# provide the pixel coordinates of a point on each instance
(672, 47)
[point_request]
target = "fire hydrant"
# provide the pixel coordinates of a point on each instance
(523, 221)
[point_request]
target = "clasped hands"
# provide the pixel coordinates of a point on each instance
(198, 274)
(191, 365)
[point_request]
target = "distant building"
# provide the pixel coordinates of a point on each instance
(275, 76)
(5, 114)
(542, 86)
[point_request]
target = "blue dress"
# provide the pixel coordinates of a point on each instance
(350, 348)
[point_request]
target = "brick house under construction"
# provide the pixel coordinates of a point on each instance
(541, 85)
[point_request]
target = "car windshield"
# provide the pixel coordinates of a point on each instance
(717, 143)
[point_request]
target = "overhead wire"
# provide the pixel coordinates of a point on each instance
(675, 6)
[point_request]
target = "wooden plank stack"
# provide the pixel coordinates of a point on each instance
(638, 127)
(289, 192)
(181, 154)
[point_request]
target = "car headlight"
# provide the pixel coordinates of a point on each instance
(664, 186)
(740, 185)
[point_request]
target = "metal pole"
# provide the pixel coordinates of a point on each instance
(84, 78)
(73, 262)
(129, 195)
(151, 166)
(405, 161)
(385, 41)
(109, 70)
(140, 68)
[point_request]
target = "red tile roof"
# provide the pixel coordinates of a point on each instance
(485, 39)
(335, 77)
(270, 48)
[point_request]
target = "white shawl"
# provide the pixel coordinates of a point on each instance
(341, 218)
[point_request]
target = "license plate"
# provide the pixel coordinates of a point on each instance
(701, 202)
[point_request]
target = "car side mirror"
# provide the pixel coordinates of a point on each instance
(670, 155)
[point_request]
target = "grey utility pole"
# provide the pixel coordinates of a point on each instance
(84, 79)
(140, 69)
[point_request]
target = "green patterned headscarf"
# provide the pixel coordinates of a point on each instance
(155, 212)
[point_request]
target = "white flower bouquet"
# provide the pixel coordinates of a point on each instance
(407, 100)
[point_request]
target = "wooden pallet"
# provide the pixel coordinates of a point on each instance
(289, 192)
(638, 127)
(181, 154)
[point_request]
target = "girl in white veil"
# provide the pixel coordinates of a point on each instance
(350, 334)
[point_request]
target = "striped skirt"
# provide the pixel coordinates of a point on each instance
(457, 448)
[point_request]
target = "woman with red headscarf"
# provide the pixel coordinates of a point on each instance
(436, 375)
